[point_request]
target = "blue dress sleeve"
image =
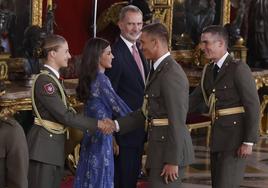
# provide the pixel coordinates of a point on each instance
(104, 102)
(118, 107)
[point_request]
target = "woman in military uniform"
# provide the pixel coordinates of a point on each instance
(46, 138)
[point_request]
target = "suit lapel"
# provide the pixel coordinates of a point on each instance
(223, 69)
(209, 74)
(209, 80)
(157, 71)
(131, 64)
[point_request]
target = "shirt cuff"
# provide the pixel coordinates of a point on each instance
(117, 128)
(248, 143)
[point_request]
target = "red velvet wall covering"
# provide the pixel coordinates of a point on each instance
(73, 19)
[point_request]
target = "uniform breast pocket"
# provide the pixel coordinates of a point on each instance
(226, 92)
(154, 100)
(159, 134)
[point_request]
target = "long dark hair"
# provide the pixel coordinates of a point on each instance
(89, 66)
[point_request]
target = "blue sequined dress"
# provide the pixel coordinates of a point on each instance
(96, 164)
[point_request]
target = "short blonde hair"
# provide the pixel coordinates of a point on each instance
(51, 42)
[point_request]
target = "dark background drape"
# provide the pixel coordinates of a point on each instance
(74, 19)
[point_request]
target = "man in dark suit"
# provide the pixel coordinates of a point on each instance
(165, 107)
(127, 76)
(14, 158)
(229, 90)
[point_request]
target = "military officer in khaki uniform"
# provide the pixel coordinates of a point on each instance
(14, 159)
(46, 138)
(166, 104)
(229, 90)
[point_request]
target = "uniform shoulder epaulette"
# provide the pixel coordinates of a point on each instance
(46, 75)
(8, 120)
(237, 61)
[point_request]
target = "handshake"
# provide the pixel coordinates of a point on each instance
(106, 126)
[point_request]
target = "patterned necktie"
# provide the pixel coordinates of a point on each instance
(215, 71)
(138, 61)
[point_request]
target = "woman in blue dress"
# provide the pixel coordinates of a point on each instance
(96, 164)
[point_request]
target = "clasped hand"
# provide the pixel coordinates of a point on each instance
(106, 126)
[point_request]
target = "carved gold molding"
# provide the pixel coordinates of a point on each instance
(163, 12)
(37, 8)
(226, 12)
(110, 15)
(263, 129)
(3, 70)
(10, 107)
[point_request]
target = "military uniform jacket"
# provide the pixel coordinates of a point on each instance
(234, 86)
(14, 157)
(44, 146)
(168, 92)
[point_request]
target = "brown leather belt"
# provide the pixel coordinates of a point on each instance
(230, 111)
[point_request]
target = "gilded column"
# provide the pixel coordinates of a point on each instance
(49, 4)
(163, 12)
(37, 6)
(226, 11)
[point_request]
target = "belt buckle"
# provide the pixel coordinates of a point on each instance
(217, 113)
(150, 122)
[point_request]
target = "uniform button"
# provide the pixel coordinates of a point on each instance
(146, 96)
(162, 137)
(152, 95)
(5, 118)
(50, 135)
(225, 87)
(216, 117)
(235, 123)
(213, 90)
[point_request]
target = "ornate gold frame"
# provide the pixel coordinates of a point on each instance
(226, 12)
(37, 9)
(163, 12)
